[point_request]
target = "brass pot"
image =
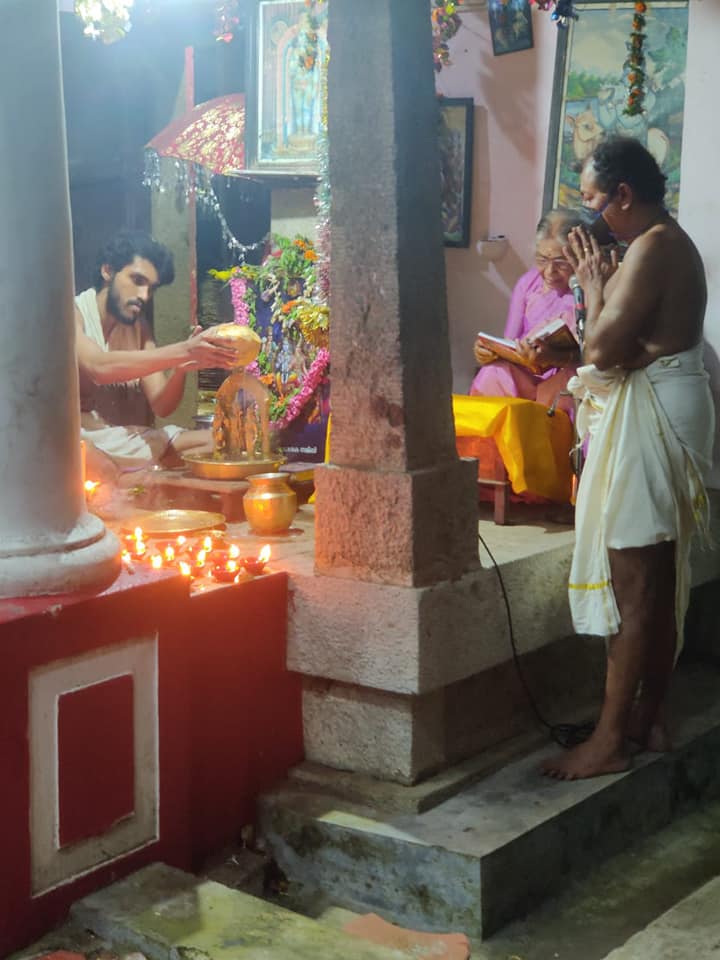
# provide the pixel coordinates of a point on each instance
(270, 504)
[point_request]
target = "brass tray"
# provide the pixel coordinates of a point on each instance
(177, 522)
(210, 469)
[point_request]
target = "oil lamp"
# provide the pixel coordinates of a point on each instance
(256, 565)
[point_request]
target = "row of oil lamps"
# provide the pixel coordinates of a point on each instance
(195, 559)
(203, 557)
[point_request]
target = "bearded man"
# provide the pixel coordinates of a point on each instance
(124, 376)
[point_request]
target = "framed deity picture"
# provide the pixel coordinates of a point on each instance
(510, 25)
(287, 50)
(456, 163)
(590, 95)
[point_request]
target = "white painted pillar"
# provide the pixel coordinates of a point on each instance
(49, 543)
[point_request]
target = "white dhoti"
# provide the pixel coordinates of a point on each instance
(651, 440)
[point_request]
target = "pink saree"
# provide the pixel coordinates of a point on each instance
(530, 308)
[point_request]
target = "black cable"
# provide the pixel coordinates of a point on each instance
(564, 734)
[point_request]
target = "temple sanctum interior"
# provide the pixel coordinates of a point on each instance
(358, 544)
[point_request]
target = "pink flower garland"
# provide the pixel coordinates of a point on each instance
(238, 289)
(311, 380)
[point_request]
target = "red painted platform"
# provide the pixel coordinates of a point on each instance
(137, 724)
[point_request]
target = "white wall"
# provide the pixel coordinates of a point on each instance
(699, 210)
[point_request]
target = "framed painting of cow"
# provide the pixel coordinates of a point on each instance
(590, 93)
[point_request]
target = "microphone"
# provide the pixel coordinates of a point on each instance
(580, 314)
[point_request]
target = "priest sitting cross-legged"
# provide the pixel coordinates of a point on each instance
(122, 370)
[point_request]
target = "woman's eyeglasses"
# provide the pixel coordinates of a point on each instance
(558, 262)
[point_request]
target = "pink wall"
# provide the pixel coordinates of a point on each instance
(512, 108)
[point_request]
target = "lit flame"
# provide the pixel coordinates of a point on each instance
(234, 551)
(140, 548)
(137, 533)
(207, 544)
(264, 555)
(125, 557)
(169, 554)
(185, 569)
(181, 540)
(200, 559)
(156, 562)
(91, 486)
(231, 566)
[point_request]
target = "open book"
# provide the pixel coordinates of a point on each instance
(555, 334)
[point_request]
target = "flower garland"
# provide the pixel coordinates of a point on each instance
(288, 269)
(445, 24)
(634, 66)
(311, 381)
(106, 20)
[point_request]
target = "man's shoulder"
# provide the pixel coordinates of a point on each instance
(86, 300)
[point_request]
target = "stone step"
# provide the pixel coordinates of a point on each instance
(166, 914)
(491, 853)
(688, 931)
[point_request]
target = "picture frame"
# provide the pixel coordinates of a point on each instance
(510, 26)
(456, 168)
(589, 93)
(284, 94)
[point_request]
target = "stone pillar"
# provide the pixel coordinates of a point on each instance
(395, 508)
(49, 543)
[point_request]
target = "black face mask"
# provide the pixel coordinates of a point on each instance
(601, 231)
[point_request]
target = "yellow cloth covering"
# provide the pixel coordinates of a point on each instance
(534, 447)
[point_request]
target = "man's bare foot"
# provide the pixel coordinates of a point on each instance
(593, 758)
(656, 740)
(648, 734)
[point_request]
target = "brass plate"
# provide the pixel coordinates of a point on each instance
(174, 521)
(211, 469)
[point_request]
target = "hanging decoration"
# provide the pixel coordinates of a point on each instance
(561, 11)
(206, 141)
(106, 20)
(445, 24)
(634, 67)
(109, 20)
(226, 20)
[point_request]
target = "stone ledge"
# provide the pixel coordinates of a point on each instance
(688, 930)
(168, 914)
(417, 639)
(502, 845)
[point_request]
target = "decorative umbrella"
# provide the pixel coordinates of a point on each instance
(210, 135)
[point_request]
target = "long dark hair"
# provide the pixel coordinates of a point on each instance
(122, 249)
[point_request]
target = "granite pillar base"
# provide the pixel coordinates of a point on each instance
(411, 528)
(404, 738)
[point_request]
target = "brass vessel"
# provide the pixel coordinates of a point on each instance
(270, 504)
(213, 468)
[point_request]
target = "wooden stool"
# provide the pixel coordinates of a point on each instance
(182, 490)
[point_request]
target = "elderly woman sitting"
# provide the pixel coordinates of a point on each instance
(540, 296)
